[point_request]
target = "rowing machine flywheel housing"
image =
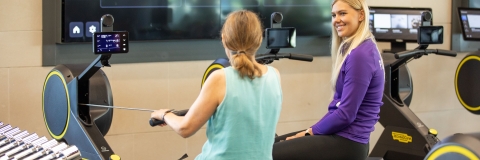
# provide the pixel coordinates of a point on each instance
(65, 119)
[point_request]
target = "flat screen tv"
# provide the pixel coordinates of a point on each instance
(396, 24)
(147, 20)
(470, 22)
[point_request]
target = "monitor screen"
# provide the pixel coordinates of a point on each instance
(186, 19)
(430, 35)
(110, 42)
(280, 37)
(390, 24)
(470, 21)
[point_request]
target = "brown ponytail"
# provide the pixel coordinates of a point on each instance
(244, 65)
(242, 34)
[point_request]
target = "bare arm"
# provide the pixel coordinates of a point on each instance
(202, 109)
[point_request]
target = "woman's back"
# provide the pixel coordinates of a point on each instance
(244, 124)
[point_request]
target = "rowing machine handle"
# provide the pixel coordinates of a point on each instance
(301, 57)
(154, 122)
(446, 53)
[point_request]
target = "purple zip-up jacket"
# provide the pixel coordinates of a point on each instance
(354, 109)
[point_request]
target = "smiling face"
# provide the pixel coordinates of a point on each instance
(346, 19)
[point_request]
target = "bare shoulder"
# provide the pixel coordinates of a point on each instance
(278, 74)
(276, 70)
(217, 75)
(214, 88)
(216, 79)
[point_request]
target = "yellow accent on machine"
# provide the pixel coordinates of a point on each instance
(401, 137)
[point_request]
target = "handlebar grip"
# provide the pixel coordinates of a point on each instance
(407, 53)
(154, 122)
(446, 53)
(301, 57)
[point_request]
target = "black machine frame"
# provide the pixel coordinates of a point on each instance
(405, 136)
(81, 84)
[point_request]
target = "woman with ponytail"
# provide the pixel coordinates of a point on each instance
(240, 104)
(357, 86)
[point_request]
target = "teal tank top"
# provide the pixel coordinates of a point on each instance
(244, 124)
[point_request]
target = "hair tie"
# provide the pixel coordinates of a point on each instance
(235, 52)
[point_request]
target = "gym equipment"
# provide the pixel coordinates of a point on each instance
(68, 85)
(405, 136)
(398, 38)
(116, 107)
(17, 144)
(287, 37)
(464, 145)
(77, 98)
(153, 122)
(458, 146)
(223, 62)
(467, 76)
(400, 26)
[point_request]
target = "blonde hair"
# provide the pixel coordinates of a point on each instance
(340, 49)
(242, 35)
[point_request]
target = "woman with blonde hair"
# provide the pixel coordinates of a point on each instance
(357, 83)
(240, 104)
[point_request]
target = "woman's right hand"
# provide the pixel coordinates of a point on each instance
(301, 134)
(159, 115)
(298, 135)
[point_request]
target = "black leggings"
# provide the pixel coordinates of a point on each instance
(318, 147)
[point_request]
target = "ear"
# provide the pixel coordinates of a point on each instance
(362, 15)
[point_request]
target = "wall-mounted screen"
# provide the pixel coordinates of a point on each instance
(470, 22)
(186, 19)
(391, 24)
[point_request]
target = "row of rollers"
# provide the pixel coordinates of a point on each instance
(21, 145)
